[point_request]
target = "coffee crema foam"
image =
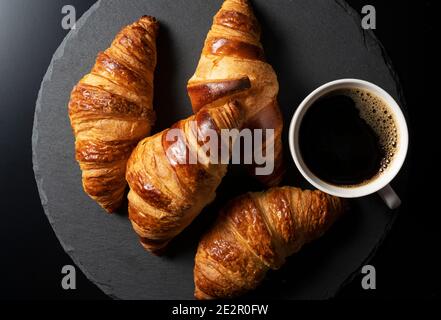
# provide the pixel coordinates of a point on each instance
(379, 117)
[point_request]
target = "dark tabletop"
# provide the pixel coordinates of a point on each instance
(31, 258)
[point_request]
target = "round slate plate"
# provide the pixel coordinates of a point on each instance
(308, 43)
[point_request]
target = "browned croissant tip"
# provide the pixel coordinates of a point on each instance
(238, 21)
(151, 22)
(244, 5)
(149, 18)
(157, 250)
(200, 295)
(111, 209)
(203, 93)
(243, 2)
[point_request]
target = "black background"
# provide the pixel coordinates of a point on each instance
(31, 258)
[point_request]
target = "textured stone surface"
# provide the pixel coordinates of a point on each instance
(308, 43)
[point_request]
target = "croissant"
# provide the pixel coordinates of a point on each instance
(257, 232)
(167, 190)
(110, 110)
(233, 56)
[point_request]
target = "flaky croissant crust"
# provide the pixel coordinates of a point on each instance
(231, 54)
(110, 110)
(166, 194)
(257, 232)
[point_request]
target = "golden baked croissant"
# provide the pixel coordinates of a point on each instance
(232, 54)
(111, 110)
(167, 190)
(256, 232)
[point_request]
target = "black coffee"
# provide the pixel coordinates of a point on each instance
(348, 137)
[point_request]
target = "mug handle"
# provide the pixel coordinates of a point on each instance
(390, 197)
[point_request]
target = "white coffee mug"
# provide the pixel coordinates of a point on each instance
(380, 183)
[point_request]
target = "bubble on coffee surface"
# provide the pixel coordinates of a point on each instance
(379, 117)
